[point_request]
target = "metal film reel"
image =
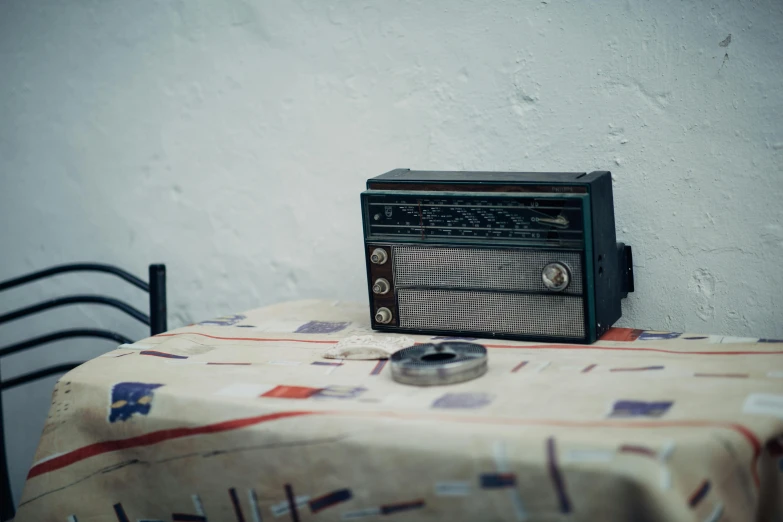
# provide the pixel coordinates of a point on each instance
(434, 364)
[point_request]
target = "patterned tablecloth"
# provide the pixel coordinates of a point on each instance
(244, 419)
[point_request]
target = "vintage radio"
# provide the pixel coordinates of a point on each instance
(530, 256)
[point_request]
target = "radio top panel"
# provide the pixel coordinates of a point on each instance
(474, 181)
(555, 221)
(524, 209)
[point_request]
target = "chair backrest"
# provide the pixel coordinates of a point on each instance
(156, 320)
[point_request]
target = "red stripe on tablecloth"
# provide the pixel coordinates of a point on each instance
(153, 438)
(521, 347)
(619, 348)
(162, 354)
(641, 450)
(379, 367)
(259, 339)
(756, 443)
(739, 375)
(639, 369)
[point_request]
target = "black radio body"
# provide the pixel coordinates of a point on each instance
(527, 256)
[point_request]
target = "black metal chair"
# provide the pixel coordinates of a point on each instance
(156, 321)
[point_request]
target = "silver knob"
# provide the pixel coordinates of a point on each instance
(556, 276)
(383, 316)
(381, 286)
(379, 256)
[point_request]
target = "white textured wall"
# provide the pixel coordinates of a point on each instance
(230, 140)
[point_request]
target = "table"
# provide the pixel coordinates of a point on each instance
(243, 419)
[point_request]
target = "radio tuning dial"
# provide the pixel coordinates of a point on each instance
(383, 315)
(556, 276)
(379, 256)
(381, 286)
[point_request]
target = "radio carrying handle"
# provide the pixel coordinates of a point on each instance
(625, 264)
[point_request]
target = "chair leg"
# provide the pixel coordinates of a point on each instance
(158, 311)
(6, 499)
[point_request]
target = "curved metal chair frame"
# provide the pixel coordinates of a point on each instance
(156, 320)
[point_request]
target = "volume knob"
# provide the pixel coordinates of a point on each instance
(383, 315)
(381, 286)
(556, 276)
(379, 256)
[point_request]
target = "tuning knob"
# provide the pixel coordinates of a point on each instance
(381, 286)
(383, 315)
(379, 256)
(556, 276)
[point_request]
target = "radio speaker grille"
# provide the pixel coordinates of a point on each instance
(478, 268)
(554, 315)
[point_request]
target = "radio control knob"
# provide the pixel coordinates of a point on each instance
(556, 276)
(379, 256)
(381, 286)
(383, 315)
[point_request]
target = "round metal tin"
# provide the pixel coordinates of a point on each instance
(435, 364)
